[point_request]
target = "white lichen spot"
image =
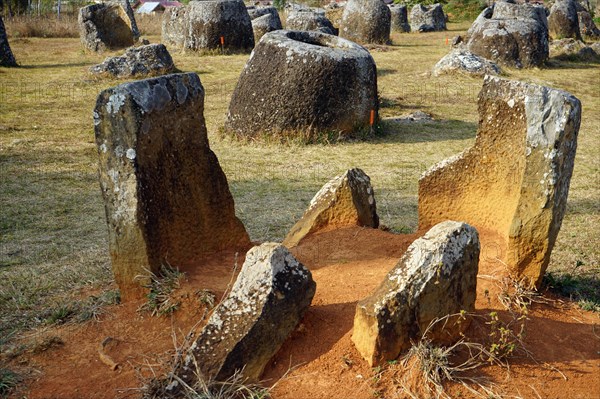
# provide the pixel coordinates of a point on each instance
(130, 154)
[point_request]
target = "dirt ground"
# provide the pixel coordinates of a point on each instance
(318, 360)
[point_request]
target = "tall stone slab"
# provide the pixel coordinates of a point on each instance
(515, 179)
(166, 197)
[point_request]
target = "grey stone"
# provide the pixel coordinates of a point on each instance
(210, 21)
(7, 59)
(587, 28)
(399, 15)
(266, 303)
(265, 24)
(515, 35)
(563, 21)
(574, 50)
(104, 27)
(174, 26)
(346, 200)
(427, 18)
(435, 278)
(366, 22)
(462, 61)
(329, 85)
(256, 11)
(165, 195)
(147, 60)
(309, 20)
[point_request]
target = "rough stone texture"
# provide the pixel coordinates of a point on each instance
(7, 59)
(166, 197)
(149, 60)
(304, 84)
(366, 22)
(174, 26)
(346, 200)
(563, 21)
(399, 15)
(104, 26)
(209, 20)
(436, 277)
(334, 12)
(309, 20)
(515, 35)
(515, 179)
(427, 18)
(265, 24)
(587, 28)
(267, 301)
(462, 61)
(574, 50)
(256, 12)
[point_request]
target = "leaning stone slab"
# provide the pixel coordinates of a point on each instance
(462, 61)
(515, 179)
(366, 22)
(436, 277)
(104, 27)
(165, 195)
(329, 85)
(267, 301)
(346, 200)
(148, 60)
(587, 28)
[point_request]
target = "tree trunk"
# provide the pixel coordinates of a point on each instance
(6, 56)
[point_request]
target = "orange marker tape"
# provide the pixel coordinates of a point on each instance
(446, 41)
(223, 41)
(372, 121)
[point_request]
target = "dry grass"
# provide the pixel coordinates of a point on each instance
(52, 225)
(42, 26)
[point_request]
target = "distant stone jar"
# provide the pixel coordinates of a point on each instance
(366, 22)
(304, 85)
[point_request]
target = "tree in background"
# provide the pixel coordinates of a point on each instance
(6, 56)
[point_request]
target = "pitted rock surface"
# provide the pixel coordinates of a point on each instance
(166, 197)
(515, 179)
(148, 60)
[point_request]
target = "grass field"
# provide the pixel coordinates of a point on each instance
(52, 223)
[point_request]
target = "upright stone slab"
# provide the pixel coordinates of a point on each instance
(265, 24)
(366, 22)
(267, 301)
(515, 179)
(346, 200)
(104, 27)
(436, 277)
(166, 197)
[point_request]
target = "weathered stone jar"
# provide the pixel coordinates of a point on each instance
(304, 84)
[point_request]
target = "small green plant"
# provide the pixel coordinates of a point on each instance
(206, 297)
(504, 338)
(577, 285)
(61, 315)
(160, 299)
(94, 306)
(8, 381)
